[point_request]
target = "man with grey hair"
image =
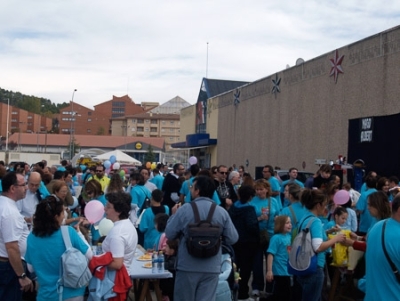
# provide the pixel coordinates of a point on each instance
(27, 205)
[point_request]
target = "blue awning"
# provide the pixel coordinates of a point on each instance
(195, 141)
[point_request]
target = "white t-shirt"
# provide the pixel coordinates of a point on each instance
(27, 205)
(121, 241)
(12, 226)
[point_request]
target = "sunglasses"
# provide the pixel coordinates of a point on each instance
(223, 172)
(51, 199)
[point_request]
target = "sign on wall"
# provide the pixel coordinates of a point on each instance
(366, 129)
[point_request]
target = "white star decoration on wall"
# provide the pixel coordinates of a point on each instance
(336, 66)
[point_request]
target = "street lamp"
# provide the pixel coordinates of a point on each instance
(40, 127)
(19, 136)
(8, 118)
(71, 137)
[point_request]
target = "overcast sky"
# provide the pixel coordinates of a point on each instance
(156, 50)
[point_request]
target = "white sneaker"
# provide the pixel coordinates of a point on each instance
(255, 293)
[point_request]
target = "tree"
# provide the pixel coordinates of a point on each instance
(150, 156)
(72, 147)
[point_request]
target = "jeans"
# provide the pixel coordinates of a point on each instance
(10, 288)
(312, 285)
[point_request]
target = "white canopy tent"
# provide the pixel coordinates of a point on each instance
(120, 156)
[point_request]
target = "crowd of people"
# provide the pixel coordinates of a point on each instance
(259, 219)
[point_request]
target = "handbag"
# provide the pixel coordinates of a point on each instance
(392, 265)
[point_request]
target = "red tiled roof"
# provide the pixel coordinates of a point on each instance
(86, 141)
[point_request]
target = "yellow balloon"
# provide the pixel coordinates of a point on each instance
(153, 165)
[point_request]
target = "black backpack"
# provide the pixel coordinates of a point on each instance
(204, 238)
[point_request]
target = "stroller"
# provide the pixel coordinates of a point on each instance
(227, 289)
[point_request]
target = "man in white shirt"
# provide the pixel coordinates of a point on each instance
(27, 205)
(13, 234)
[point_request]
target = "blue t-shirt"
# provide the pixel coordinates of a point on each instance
(381, 283)
(263, 204)
(283, 184)
(185, 190)
(276, 187)
(139, 193)
(366, 220)
(148, 228)
(158, 180)
(317, 231)
(46, 263)
(279, 247)
(298, 209)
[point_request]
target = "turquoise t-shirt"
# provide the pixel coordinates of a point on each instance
(263, 204)
(158, 180)
(381, 284)
(298, 209)
(46, 263)
(276, 186)
(148, 228)
(317, 231)
(279, 247)
(283, 184)
(185, 190)
(139, 193)
(366, 220)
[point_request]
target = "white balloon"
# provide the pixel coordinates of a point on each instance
(116, 166)
(192, 160)
(105, 226)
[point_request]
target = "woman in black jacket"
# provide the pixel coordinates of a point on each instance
(245, 220)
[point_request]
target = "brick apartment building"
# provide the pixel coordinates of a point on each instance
(84, 121)
(22, 120)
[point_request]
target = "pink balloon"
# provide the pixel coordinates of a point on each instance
(341, 197)
(94, 211)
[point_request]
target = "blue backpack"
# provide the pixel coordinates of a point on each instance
(302, 257)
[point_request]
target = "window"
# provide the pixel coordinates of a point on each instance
(14, 120)
(153, 130)
(172, 130)
(140, 121)
(89, 130)
(163, 130)
(133, 120)
(146, 129)
(89, 113)
(154, 121)
(89, 119)
(140, 129)
(133, 129)
(172, 122)
(65, 130)
(163, 122)
(14, 113)
(29, 117)
(147, 121)
(118, 104)
(171, 138)
(66, 113)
